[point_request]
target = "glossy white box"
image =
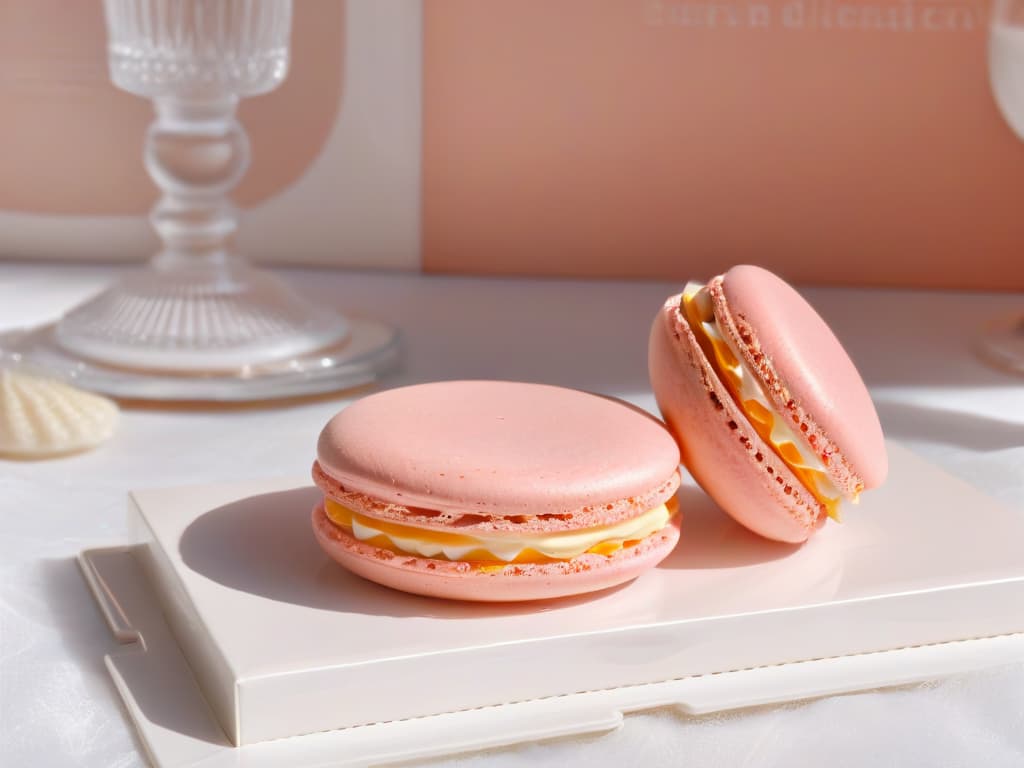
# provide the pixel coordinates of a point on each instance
(284, 642)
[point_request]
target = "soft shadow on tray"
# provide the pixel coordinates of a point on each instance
(711, 539)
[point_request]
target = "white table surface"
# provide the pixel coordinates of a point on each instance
(59, 708)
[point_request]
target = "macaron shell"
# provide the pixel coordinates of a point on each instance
(718, 445)
(474, 523)
(462, 581)
(496, 448)
(780, 335)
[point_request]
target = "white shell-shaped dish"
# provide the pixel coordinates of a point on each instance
(42, 417)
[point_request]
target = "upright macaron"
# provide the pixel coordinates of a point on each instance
(771, 416)
(494, 491)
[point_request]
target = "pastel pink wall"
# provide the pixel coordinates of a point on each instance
(71, 143)
(851, 141)
(670, 139)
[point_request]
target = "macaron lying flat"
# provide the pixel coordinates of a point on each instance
(771, 416)
(495, 491)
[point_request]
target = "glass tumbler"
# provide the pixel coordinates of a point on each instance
(1002, 342)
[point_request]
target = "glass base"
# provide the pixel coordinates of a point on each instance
(1001, 343)
(198, 316)
(369, 350)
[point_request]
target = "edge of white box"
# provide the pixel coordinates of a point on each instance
(178, 728)
(270, 705)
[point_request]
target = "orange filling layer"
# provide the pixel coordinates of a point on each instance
(731, 371)
(384, 534)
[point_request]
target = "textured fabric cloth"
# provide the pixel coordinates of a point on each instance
(59, 708)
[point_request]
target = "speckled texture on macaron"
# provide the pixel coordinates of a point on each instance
(505, 466)
(718, 446)
(806, 372)
(746, 355)
(495, 447)
(469, 522)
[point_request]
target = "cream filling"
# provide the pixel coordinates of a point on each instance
(557, 546)
(750, 390)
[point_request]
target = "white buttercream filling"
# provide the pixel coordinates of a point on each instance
(557, 546)
(751, 389)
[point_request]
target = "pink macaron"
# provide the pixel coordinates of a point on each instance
(495, 491)
(771, 416)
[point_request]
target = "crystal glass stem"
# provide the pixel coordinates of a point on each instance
(196, 152)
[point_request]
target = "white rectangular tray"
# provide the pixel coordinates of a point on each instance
(279, 641)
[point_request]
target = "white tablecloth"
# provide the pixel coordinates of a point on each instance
(59, 708)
